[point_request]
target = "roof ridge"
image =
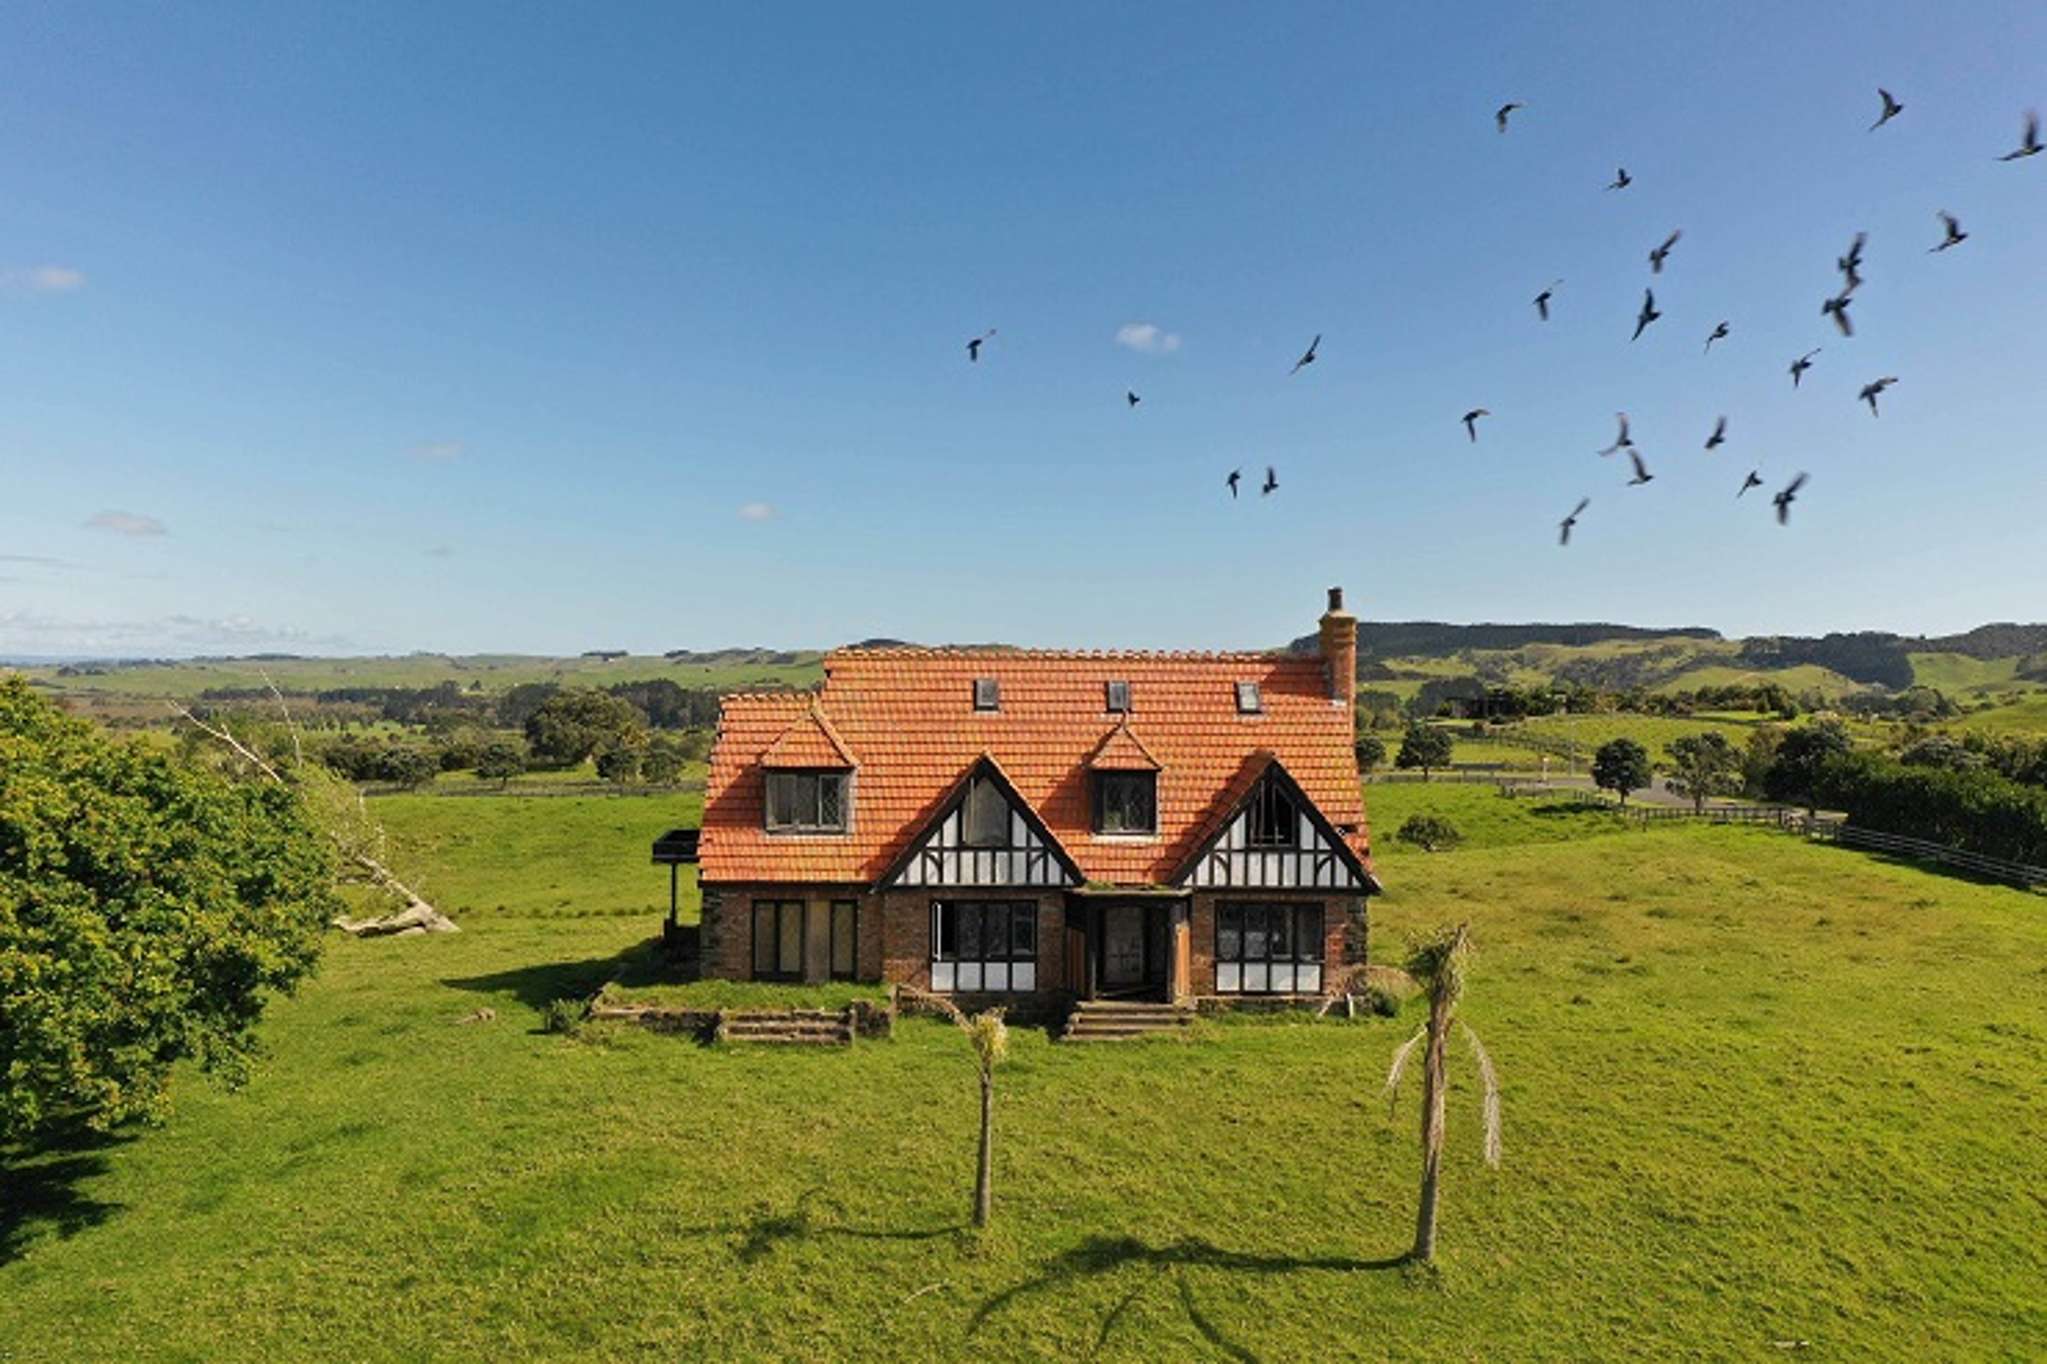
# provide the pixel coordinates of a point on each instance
(1000, 651)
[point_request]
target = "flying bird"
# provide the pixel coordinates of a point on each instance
(1621, 179)
(1500, 114)
(1471, 422)
(1891, 109)
(1754, 480)
(1271, 482)
(1719, 436)
(2030, 144)
(1955, 235)
(1642, 474)
(1662, 253)
(1622, 441)
(1564, 526)
(1802, 364)
(1870, 391)
(1837, 308)
(1307, 356)
(1648, 313)
(1131, 398)
(1542, 299)
(1786, 498)
(1236, 477)
(1850, 265)
(1719, 334)
(974, 346)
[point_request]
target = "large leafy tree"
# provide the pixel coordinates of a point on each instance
(1802, 758)
(1424, 746)
(148, 909)
(574, 723)
(1703, 766)
(1621, 766)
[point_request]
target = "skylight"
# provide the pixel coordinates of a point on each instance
(1249, 702)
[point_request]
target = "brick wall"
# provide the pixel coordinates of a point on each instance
(905, 940)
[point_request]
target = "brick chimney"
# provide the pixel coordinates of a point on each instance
(1340, 652)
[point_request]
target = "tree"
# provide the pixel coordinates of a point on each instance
(1801, 758)
(1758, 755)
(410, 767)
(618, 761)
(148, 911)
(1424, 746)
(989, 1037)
(1703, 766)
(1620, 765)
(573, 724)
(1938, 750)
(500, 761)
(1431, 833)
(662, 763)
(1371, 752)
(1436, 965)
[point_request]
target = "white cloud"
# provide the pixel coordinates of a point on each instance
(756, 511)
(1147, 338)
(126, 523)
(44, 279)
(31, 632)
(440, 451)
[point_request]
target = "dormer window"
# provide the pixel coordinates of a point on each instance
(1126, 803)
(1249, 702)
(807, 802)
(1118, 697)
(987, 694)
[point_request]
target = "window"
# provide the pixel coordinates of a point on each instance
(778, 939)
(1249, 702)
(1126, 802)
(807, 802)
(1268, 949)
(984, 946)
(984, 815)
(987, 694)
(1271, 820)
(845, 939)
(1118, 697)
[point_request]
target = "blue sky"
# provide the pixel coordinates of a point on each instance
(545, 328)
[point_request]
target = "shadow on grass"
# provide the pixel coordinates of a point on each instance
(39, 1193)
(761, 1236)
(1106, 1254)
(540, 985)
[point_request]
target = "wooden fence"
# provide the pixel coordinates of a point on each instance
(1836, 829)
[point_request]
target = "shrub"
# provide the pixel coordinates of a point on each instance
(662, 763)
(565, 1016)
(411, 768)
(1976, 810)
(1432, 833)
(618, 762)
(500, 761)
(1371, 752)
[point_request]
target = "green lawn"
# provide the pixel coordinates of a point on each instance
(1756, 1091)
(1651, 731)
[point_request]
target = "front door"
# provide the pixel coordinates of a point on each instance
(1123, 947)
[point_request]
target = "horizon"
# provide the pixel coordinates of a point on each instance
(450, 330)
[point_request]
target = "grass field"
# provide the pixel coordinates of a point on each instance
(1797, 680)
(1959, 674)
(1756, 1091)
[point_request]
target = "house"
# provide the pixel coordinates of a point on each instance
(1037, 825)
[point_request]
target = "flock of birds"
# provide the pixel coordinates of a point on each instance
(1834, 307)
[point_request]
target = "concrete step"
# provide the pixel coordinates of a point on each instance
(789, 1039)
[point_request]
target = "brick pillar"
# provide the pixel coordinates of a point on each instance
(1339, 635)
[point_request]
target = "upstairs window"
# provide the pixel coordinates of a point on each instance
(1126, 803)
(807, 802)
(984, 816)
(1249, 702)
(1271, 821)
(987, 694)
(1118, 698)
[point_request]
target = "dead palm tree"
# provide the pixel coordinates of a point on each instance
(989, 1036)
(1436, 965)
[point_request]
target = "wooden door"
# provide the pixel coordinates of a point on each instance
(1123, 947)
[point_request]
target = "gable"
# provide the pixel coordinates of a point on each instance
(1233, 856)
(947, 853)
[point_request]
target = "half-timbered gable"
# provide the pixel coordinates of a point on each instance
(1273, 838)
(985, 834)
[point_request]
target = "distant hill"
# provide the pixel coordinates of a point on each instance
(1437, 639)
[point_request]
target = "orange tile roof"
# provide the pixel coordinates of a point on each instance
(1123, 751)
(909, 716)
